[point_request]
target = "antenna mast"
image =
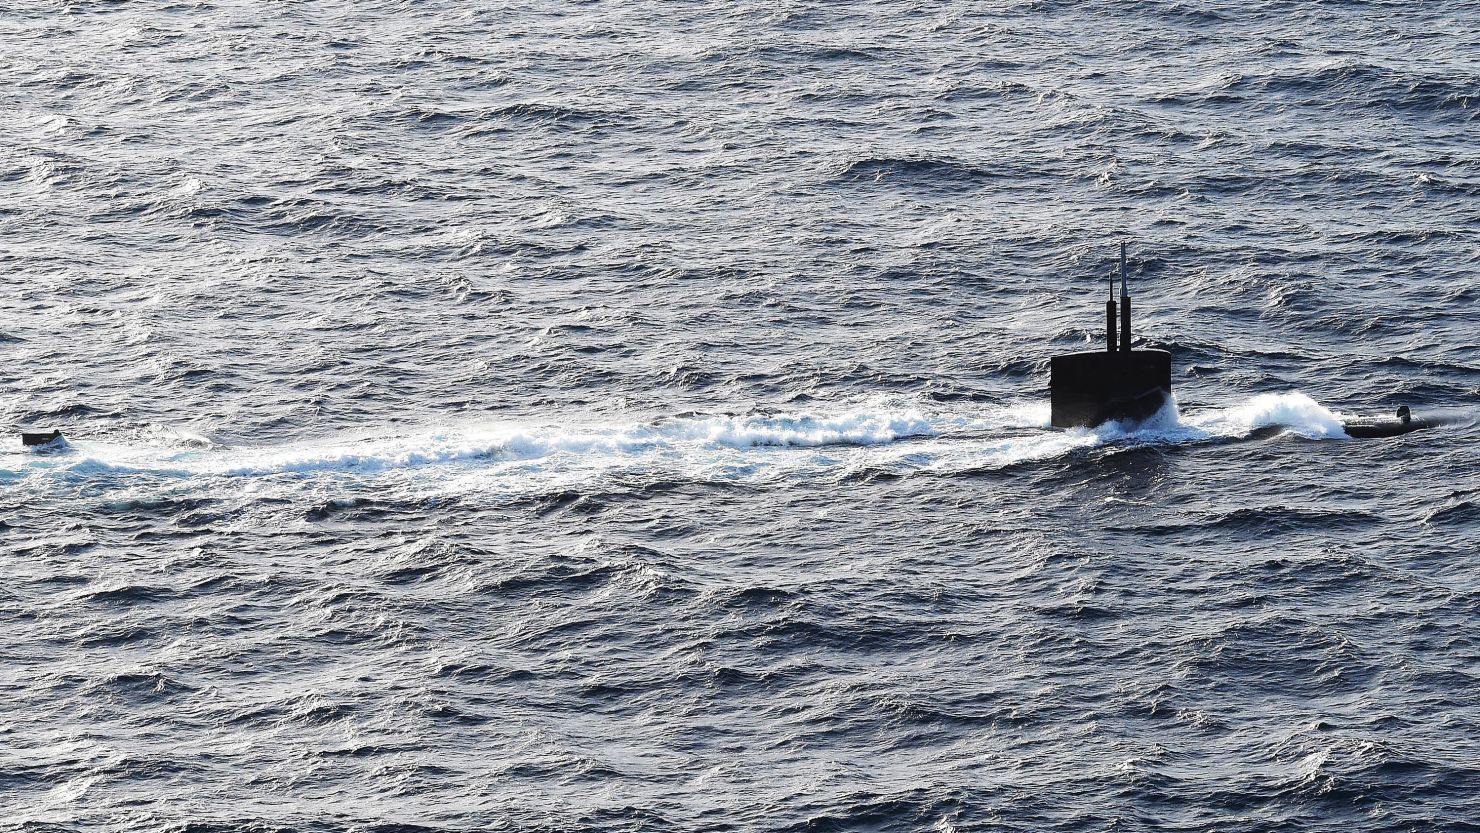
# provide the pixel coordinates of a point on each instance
(1125, 306)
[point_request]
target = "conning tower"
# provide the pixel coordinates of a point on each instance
(1118, 383)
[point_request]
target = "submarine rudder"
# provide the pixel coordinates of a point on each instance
(1403, 422)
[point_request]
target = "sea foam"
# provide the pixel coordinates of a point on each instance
(1000, 435)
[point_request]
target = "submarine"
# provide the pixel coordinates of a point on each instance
(39, 438)
(1124, 384)
(1086, 389)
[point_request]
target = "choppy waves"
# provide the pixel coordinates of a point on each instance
(611, 417)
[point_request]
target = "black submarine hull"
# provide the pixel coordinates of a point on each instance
(1364, 428)
(39, 438)
(1091, 388)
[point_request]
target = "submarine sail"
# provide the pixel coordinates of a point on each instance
(1116, 384)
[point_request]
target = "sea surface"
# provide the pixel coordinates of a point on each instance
(633, 416)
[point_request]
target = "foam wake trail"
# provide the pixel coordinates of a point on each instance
(1292, 411)
(515, 443)
(521, 443)
(723, 446)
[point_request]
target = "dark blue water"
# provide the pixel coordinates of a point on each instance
(633, 416)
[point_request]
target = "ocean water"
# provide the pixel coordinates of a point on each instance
(622, 416)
